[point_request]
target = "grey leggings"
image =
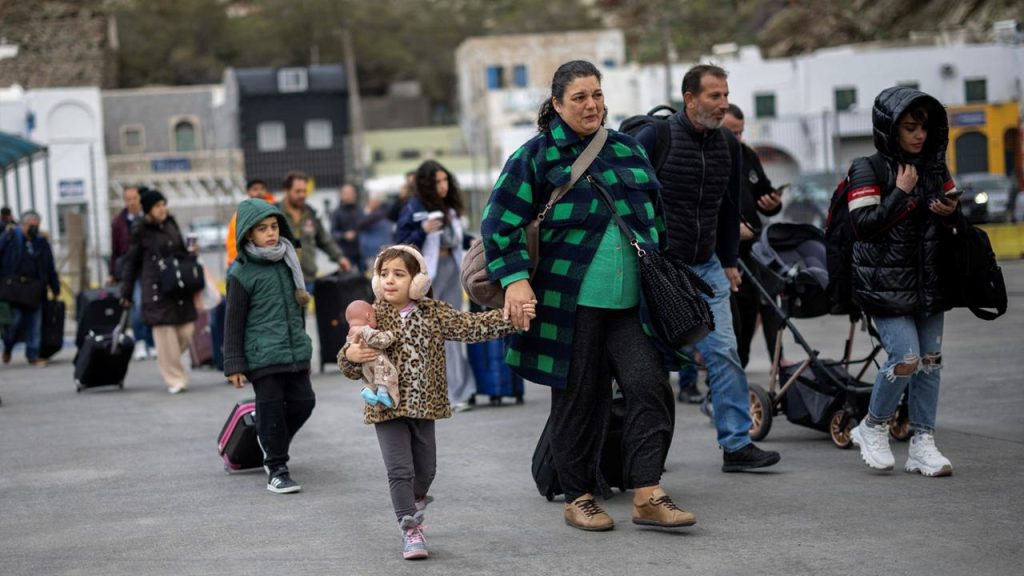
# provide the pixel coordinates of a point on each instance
(410, 456)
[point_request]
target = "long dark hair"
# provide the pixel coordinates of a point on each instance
(564, 76)
(426, 189)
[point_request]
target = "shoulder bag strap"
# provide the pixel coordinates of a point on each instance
(630, 235)
(585, 159)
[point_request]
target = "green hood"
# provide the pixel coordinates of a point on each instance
(250, 212)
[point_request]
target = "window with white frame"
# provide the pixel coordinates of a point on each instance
(270, 136)
(845, 98)
(292, 80)
(319, 134)
(764, 105)
(184, 136)
(975, 91)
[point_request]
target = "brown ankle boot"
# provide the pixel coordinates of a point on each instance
(585, 514)
(659, 510)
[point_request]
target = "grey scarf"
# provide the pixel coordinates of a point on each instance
(283, 250)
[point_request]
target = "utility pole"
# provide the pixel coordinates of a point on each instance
(355, 108)
(666, 32)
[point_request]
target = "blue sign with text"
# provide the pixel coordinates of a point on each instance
(71, 188)
(972, 118)
(171, 165)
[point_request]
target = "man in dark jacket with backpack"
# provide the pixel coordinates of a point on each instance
(700, 176)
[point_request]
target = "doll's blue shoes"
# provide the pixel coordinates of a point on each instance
(369, 395)
(384, 398)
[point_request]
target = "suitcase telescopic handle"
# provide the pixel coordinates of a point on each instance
(122, 325)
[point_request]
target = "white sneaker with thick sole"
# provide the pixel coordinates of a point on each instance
(925, 458)
(874, 445)
(140, 351)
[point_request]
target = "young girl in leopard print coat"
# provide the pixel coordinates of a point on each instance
(406, 432)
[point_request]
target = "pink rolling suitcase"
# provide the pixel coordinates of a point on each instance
(237, 442)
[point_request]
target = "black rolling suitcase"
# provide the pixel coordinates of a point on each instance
(52, 337)
(612, 465)
(103, 359)
(332, 295)
(97, 311)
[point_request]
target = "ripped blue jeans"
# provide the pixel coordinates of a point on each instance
(914, 347)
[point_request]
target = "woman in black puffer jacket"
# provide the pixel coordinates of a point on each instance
(898, 226)
(157, 236)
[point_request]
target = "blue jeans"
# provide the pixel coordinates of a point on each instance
(141, 332)
(27, 324)
(688, 373)
(912, 339)
(727, 381)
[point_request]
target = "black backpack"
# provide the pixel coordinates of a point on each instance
(635, 124)
(839, 240)
(973, 278)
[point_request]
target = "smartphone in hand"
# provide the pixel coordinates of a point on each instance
(953, 194)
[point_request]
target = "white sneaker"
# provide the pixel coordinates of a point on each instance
(874, 445)
(152, 353)
(140, 351)
(925, 458)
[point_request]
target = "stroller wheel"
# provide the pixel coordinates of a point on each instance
(761, 411)
(840, 430)
(899, 424)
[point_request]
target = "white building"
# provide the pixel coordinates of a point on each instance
(73, 179)
(503, 79)
(809, 113)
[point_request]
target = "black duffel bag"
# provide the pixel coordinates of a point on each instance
(180, 275)
(22, 291)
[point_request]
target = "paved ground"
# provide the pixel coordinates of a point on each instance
(128, 482)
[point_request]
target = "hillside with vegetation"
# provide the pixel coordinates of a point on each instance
(192, 41)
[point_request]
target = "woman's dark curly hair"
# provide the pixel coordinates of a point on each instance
(426, 189)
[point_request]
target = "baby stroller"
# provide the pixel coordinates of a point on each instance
(790, 273)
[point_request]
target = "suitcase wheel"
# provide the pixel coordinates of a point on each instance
(519, 400)
(78, 387)
(120, 385)
(495, 400)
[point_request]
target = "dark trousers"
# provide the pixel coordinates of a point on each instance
(284, 401)
(607, 344)
(410, 456)
(746, 304)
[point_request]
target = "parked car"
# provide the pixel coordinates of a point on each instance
(987, 197)
(212, 233)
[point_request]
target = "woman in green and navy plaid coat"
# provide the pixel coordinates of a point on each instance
(588, 327)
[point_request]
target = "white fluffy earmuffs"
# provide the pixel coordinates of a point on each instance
(420, 282)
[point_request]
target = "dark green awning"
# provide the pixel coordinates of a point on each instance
(13, 149)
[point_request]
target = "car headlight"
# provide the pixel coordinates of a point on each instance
(981, 198)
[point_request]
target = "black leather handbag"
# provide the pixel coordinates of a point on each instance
(180, 275)
(22, 291)
(679, 315)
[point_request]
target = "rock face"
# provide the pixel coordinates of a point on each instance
(59, 44)
(800, 26)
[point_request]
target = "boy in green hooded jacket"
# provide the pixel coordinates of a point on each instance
(265, 338)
